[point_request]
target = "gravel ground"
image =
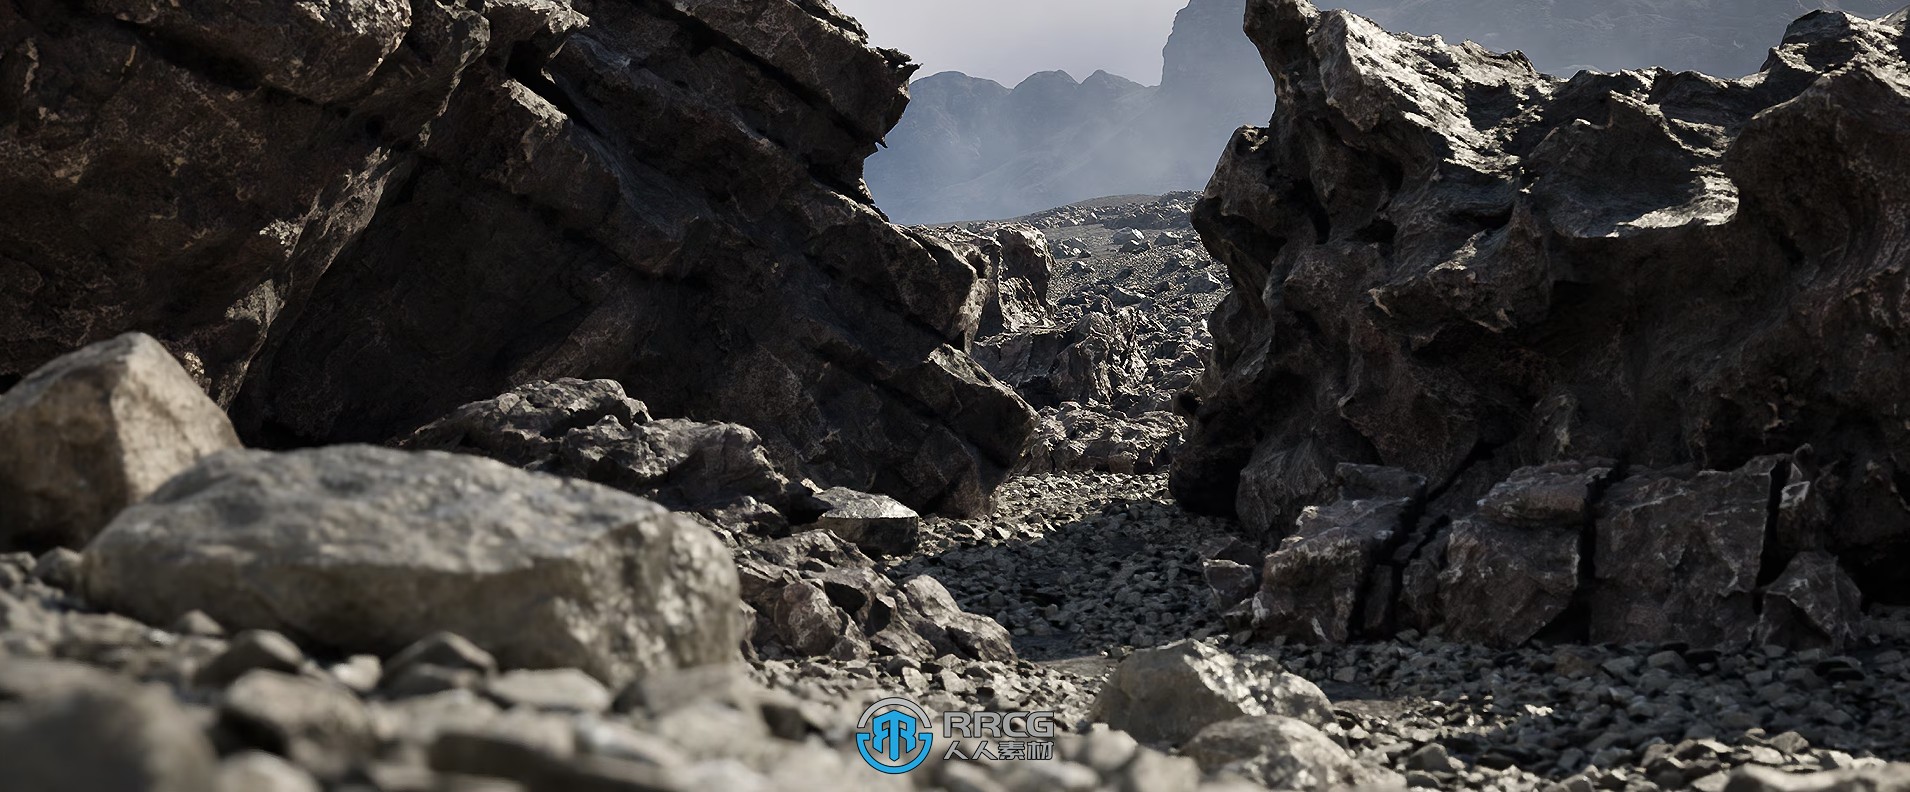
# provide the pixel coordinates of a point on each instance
(1085, 568)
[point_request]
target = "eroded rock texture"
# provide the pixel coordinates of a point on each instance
(1447, 263)
(350, 222)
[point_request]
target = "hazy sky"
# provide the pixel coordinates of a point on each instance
(1007, 40)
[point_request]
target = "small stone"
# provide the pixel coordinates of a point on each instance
(445, 650)
(1431, 758)
(359, 673)
(257, 771)
(316, 724)
(198, 624)
(563, 689)
(59, 568)
(253, 650)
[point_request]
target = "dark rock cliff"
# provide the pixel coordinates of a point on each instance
(1448, 263)
(349, 223)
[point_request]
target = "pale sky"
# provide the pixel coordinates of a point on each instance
(1007, 40)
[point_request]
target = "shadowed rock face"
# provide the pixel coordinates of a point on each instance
(1448, 263)
(423, 205)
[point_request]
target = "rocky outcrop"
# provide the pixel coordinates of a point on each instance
(816, 595)
(1449, 264)
(350, 223)
(592, 431)
(363, 549)
(1721, 37)
(94, 432)
(973, 149)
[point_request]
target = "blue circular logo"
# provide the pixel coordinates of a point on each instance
(894, 736)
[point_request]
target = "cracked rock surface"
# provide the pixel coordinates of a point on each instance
(351, 219)
(1620, 325)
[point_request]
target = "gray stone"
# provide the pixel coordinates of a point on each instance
(876, 524)
(563, 689)
(1678, 559)
(1889, 778)
(317, 724)
(66, 726)
(257, 771)
(1168, 694)
(59, 568)
(1813, 604)
(252, 650)
(1281, 753)
(1311, 587)
(94, 432)
(369, 550)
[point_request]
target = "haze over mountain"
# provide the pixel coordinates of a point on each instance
(971, 148)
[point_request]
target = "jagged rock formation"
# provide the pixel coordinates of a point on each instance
(972, 149)
(1102, 344)
(349, 224)
(1646, 317)
(1726, 38)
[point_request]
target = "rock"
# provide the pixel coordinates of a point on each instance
(1075, 437)
(369, 550)
(1167, 695)
(1514, 569)
(314, 723)
(257, 771)
(94, 432)
(1282, 753)
(876, 524)
(1889, 778)
(564, 689)
(590, 430)
(1018, 298)
(1124, 358)
(1678, 560)
(252, 650)
(59, 568)
(265, 249)
(1231, 582)
(1430, 243)
(131, 739)
(197, 623)
(360, 674)
(1814, 604)
(444, 650)
(821, 596)
(1311, 586)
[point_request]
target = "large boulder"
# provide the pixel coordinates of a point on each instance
(664, 194)
(1446, 262)
(94, 432)
(368, 550)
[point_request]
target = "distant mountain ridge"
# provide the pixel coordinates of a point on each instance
(973, 149)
